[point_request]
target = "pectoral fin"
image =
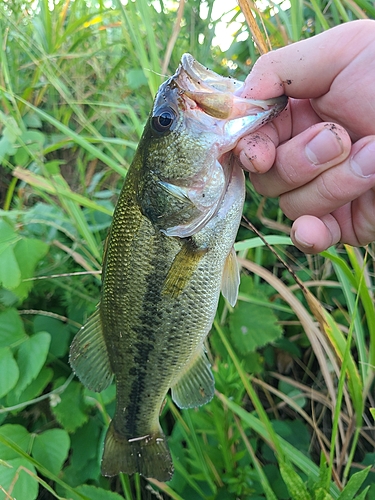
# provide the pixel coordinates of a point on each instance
(196, 385)
(182, 268)
(231, 278)
(89, 356)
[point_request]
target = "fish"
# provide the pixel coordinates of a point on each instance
(169, 253)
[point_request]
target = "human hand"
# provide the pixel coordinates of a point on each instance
(318, 156)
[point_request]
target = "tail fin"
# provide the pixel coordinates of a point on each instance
(149, 455)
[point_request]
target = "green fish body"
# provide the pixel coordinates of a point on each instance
(169, 253)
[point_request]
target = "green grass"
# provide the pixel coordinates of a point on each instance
(293, 412)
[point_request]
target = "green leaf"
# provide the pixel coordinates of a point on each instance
(136, 78)
(354, 483)
(31, 357)
(59, 331)
(33, 140)
(8, 236)
(16, 477)
(32, 390)
(16, 433)
(11, 328)
(294, 483)
(21, 157)
(32, 120)
(321, 494)
(28, 252)
(95, 493)
(11, 129)
(70, 409)
(10, 274)
(253, 326)
(363, 494)
(6, 148)
(9, 372)
(51, 449)
(85, 444)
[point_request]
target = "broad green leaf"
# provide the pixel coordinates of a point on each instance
(28, 252)
(9, 372)
(31, 357)
(8, 236)
(51, 449)
(32, 390)
(59, 331)
(21, 157)
(11, 129)
(33, 140)
(95, 493)
(10, 274)
(6, 148)
(32, 120)
(16, 433)
(69, 408)
(11, 328)
(253, 326)
(18, 478)
(85, 444)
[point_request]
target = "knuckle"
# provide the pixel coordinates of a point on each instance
(329, 190)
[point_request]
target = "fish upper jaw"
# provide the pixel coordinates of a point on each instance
(213, 102)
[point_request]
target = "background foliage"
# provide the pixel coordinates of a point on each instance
(294, 370)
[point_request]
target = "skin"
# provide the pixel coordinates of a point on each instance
(318, 156)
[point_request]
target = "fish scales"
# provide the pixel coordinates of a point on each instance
(169, 252)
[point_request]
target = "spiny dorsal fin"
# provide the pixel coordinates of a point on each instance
(231, 278)
(196, 386)
(89, 356)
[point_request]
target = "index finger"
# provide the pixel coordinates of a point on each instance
(306, 69)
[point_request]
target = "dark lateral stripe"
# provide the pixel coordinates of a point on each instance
(149, 323)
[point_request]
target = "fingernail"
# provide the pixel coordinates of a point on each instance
(301, 239)
(363, 162)
(247, 162)
(324, 147)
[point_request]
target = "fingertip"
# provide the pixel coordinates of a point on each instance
(263, 82)
(313, 235)
(256, 153)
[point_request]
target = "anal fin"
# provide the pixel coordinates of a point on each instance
(231, 278)
(89, 356)
(196, 386)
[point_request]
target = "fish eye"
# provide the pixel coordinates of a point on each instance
(163, 121)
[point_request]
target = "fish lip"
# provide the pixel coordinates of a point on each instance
(192, 77)
(201, 76)
(202, 86)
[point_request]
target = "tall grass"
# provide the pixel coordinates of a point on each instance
(291, 418)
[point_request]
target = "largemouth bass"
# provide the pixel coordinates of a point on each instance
(169, 253)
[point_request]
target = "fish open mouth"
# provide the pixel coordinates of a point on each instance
(218, 96)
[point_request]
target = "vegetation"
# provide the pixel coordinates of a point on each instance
(294, 361)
